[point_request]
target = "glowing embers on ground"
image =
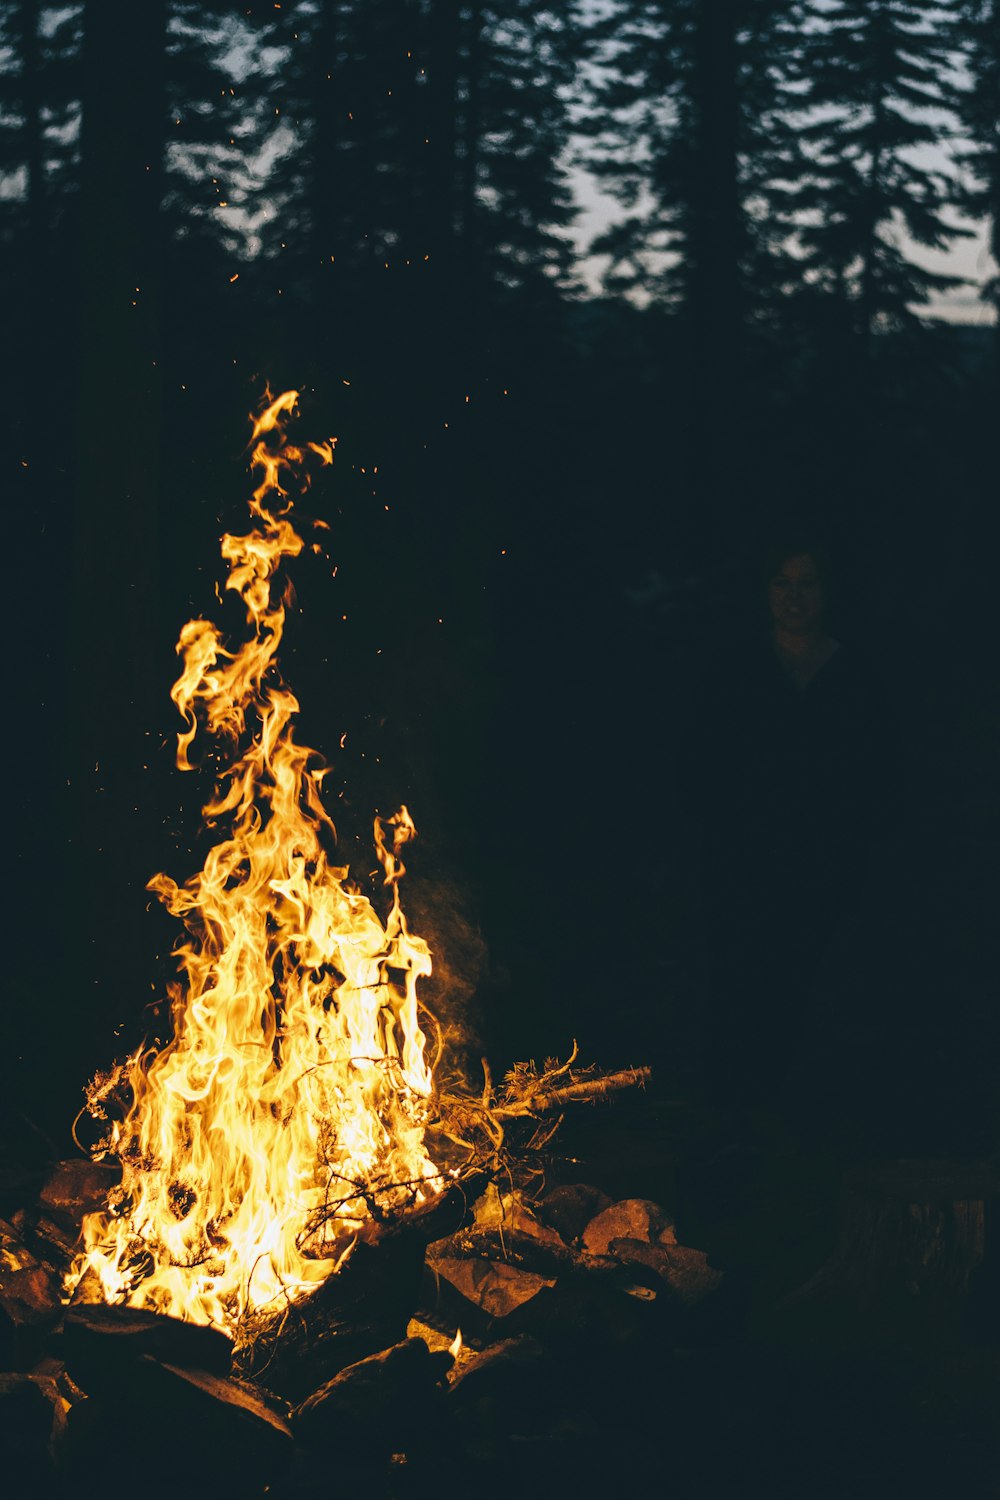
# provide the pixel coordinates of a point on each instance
(290, 1103)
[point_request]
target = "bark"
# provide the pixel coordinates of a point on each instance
(31, 105)
(443, 142)
(328, 98)
(588, 1090)
(714, 247)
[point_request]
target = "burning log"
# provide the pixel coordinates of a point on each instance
(365, 1308)
(101, 1345)
(29, 1301)
(383, 1402)
(76, 1188)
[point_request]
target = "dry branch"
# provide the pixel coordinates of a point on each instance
(479, 1125)
(588, 1090)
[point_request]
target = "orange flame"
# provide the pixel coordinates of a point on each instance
(289, 1104)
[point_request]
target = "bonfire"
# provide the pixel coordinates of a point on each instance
(294, 1110)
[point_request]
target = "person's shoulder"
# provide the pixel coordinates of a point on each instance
(852, 674)
(849, 659)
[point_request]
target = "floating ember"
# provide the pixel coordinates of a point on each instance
(289, 1107)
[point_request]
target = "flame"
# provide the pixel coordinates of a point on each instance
(455, 1347)
(288, 1107)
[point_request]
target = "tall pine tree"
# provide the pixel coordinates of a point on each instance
(689, 123)
(873, 180)
(425, 138)
(980, 114)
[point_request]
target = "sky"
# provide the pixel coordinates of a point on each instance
(969, 258)
(966, 257)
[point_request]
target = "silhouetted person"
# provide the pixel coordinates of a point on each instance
(792, 779)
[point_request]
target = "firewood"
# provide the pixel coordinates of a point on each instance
(218, 1434)
(381, 1402)
(50, 1242)
(530, 1254)
(75, 1188)
(589, 1090)
(29, 1301)
(523, 1104)
(361, 1310)
(100, 1345)
(516, 1370)
(586, 1320)
(28, 1404)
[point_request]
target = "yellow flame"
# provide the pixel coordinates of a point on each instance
(455, 1347)
(289, 1104)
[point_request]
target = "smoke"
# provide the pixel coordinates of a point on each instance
(438, 909)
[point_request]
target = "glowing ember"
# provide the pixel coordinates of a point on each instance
(290, 1102)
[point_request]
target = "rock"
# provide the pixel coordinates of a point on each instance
(494, 1286)
(29, 1305)
(515, 1372)
(511, 1213)
(76, 1188)
(28, 1406)
(101, 1345)
(174, 1427)
(586, 1319)
(686, 1272)
(631, 1219)
(570, 1208)
(381, 1403)
(446, 1309)
(489, 1208)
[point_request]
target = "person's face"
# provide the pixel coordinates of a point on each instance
(795, 595)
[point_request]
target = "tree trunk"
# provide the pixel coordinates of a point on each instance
(328, 100)
(443, 64)
(912, 1233)
(38, 346)
(470, 252)
(714, 246)
(34, 149)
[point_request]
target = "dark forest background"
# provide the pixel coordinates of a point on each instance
(549, 497)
